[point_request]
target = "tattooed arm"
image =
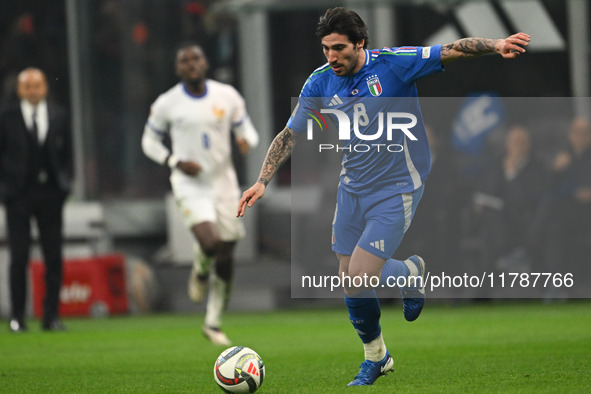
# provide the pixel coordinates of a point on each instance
(277, 155)
(509, 47)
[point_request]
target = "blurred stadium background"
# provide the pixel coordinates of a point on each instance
(109, 59)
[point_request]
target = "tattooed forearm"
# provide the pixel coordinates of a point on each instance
(467, 47)
(445, 50)
(277, 155)
(474, 46)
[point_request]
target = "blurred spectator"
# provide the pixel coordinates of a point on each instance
(506, 199)
(564, 217)
(35, 177)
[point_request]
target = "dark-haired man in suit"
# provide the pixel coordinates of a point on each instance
(35, 176)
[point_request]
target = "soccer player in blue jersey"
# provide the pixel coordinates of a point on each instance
(379, 189)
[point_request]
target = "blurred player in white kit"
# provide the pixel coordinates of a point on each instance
(199, 115)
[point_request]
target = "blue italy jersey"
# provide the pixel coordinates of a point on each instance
(378, 118)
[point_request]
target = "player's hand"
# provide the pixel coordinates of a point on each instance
(189, 167)
(513, 46)
(250, 196)
(242, 145)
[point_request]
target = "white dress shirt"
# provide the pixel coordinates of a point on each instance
(42, 118)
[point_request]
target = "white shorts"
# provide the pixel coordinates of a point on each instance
(222, 213)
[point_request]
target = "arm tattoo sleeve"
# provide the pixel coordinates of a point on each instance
(446, 49)
(277, 155)
(471, 46)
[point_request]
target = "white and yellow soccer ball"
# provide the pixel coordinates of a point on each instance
(239, 370)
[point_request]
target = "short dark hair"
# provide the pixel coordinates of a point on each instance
(342, 21)
(185, 45)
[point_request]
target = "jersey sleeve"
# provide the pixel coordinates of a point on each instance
(307, 103)
(158, 119)
(241, 124)
(154, 131)
(414, 63)
(238, 107)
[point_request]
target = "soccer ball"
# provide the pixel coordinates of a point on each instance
(239, 370)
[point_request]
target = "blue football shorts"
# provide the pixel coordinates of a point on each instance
(375, 223)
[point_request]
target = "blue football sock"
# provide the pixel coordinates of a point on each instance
(364, 313)
(393, 268)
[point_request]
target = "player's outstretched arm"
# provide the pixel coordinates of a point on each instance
(277, 155)
(509, 48)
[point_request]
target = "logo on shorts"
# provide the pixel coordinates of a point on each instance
(378, 244)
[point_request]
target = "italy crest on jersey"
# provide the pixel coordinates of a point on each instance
(374, 85)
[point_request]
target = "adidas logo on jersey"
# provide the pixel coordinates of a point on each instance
(378, 244)
(335, 100)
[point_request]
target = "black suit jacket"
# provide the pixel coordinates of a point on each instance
(14, 150)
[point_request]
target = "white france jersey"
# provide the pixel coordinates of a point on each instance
(200, 131)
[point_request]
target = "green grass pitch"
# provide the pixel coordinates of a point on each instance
(524, 347)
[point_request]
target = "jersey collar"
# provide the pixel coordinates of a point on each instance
(194, 95)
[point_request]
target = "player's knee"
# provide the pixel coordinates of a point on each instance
(210, 247)
(209, 251)
(356, 272)
(224, 267)
(351, 291)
